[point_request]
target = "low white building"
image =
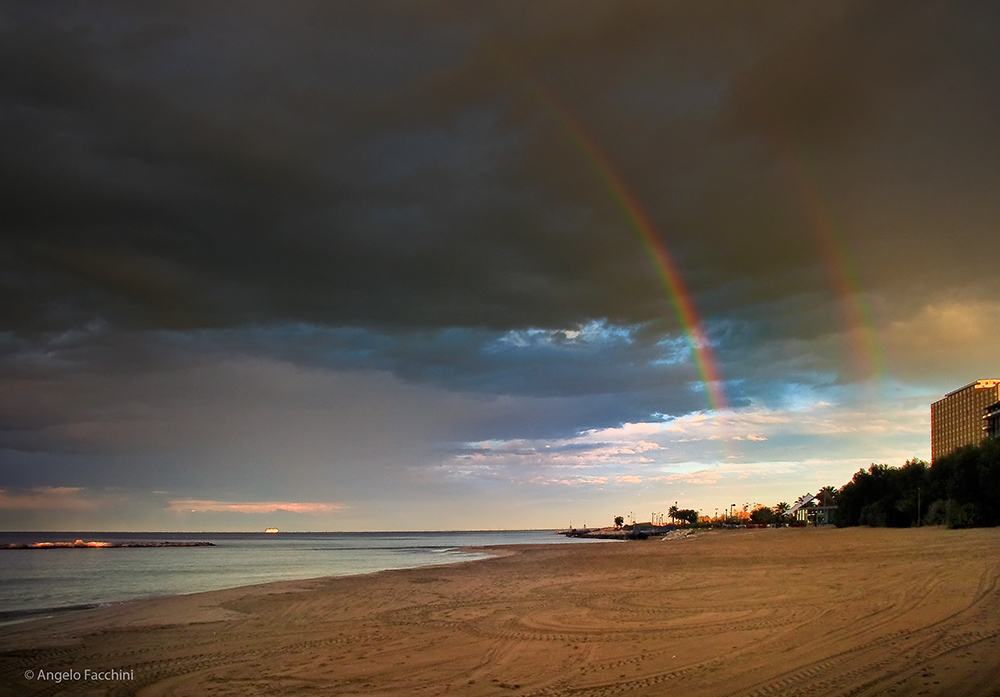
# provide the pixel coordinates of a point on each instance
(806, 511)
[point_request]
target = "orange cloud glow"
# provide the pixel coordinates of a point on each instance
(62, 498)
(203, 506)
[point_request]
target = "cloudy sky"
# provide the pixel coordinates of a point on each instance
(448, 265)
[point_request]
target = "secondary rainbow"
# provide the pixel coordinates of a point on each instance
(855, 312)
(822, 222)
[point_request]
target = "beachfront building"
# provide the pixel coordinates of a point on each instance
(991, 421)
(963, 417)
(808, 510)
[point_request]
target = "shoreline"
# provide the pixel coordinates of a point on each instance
(858, 611)
(94, 577)
(17, 617)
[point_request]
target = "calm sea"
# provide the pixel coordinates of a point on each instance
(46, 581)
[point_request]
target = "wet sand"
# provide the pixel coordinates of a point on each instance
(762, 612)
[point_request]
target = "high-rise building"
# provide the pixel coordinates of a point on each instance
(962, 417)
(991, 421)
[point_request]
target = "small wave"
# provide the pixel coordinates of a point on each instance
(11, 616)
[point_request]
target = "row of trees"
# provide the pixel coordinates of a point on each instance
(960, 490)
(762, 515)
(685, 515)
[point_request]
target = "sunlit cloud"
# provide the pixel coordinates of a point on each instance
(570, 481)
(592, 334)
(706, 477)
(927, 341)
(647, 441)
(203, 506)
(55, 498)
(821, 441)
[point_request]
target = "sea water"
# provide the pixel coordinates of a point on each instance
(45, 581)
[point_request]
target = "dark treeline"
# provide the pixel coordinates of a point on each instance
(960, 490)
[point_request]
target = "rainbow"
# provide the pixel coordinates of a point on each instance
(855, 311)
(856, 315)
(628, 202)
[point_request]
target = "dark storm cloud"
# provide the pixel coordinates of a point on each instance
(881, 115)
(233, 171)
(201, 172)
(388, 165)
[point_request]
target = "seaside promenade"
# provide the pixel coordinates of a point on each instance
(741, 613)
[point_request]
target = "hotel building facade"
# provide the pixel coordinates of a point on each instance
(966, 416)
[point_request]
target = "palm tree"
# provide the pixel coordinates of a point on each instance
(828, 496)
(672, 512)
(780, 510)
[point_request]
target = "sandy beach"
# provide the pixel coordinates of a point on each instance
(762, 612)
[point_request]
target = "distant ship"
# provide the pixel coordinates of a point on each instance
(271, 530)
